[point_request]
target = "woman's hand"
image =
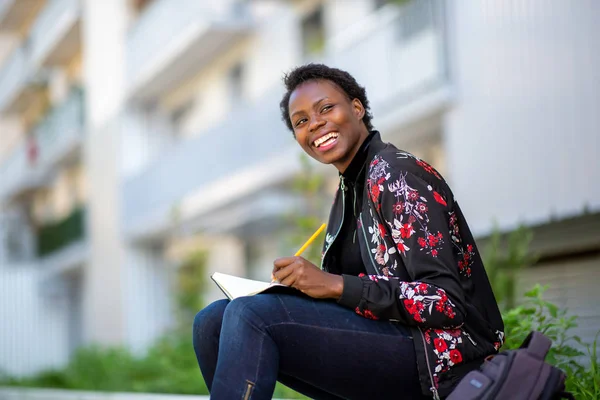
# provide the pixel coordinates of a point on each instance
(303, 275)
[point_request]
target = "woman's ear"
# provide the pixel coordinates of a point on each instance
(358, 109)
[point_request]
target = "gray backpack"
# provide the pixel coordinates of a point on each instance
(516, 375)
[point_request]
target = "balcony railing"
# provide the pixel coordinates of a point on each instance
(55, 23)
(398, 56)
(13, 75)
(52, 139)
(171, 40)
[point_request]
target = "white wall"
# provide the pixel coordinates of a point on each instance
(523, 138)
(104, 70)
(34, 328)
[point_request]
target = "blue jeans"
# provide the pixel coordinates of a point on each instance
(316, 347)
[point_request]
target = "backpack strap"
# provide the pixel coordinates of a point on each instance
(537, 344)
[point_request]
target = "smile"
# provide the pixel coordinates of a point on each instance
(326, 141)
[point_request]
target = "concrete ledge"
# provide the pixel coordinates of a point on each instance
(10, 393)
(7, 393)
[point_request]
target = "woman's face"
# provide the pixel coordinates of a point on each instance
(326, 123)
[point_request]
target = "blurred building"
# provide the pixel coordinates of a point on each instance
(132, 131)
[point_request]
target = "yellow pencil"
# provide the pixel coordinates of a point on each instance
(310, 240)
(305, 245)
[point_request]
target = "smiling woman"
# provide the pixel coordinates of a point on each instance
(401, 306)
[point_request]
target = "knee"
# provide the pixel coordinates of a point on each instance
(247, 310)
(209, 319)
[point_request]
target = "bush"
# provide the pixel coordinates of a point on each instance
(169, 366)
(537, 314)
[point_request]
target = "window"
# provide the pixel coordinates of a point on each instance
(313, 33)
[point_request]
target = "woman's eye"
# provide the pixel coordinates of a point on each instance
(300, 121)
(326, 108)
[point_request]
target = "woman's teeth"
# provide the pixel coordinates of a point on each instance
(327, 139)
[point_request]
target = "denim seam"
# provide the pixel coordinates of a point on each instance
(400, 335)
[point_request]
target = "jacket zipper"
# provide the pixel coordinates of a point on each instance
(436, 395)
(343, 189)
(354, 211)
(249, 388)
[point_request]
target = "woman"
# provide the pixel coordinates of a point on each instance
(402, 307)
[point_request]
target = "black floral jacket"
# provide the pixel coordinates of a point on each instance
(423, 266)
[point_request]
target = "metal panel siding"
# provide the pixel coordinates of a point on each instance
(573, 284)
(525, 125)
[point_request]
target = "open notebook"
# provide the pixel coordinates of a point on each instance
(234, 286)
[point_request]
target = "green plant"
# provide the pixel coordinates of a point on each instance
(190, 285)
(535, 313)
(504, 256)
(587, 385)
(54, 236)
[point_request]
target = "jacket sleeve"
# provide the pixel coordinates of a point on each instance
(415, 217)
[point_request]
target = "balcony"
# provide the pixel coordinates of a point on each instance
(60, 234)
(57, 136)
(55, 35)
(20, 84)
(403, 66)
(15, 14)
(172, 41)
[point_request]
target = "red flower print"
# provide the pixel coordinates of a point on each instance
(411, 219)
(427, 336)
(422, 242)
(421, 207)
(413, 195)
(402, 248)
(422, 287)
(438, 197)
(375, 192)
(361, 275)
(406, 231)
(455, 356)
(428, 168)
(434, 253)
(409, 304)
(370, 315)
(469, 247)
(432, 240)
(398, 207)
(440, 345)
(381, 230)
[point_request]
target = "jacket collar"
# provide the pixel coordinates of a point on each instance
(371, 145)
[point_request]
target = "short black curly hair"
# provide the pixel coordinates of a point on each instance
(310, 72)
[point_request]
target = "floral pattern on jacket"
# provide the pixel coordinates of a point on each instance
(422, 266)
(411, 225)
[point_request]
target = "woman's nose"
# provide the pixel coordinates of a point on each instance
(315, 123)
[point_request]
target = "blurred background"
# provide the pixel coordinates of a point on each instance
(141, 149)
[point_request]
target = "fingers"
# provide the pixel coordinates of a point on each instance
(284, 261)
(282, 273)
